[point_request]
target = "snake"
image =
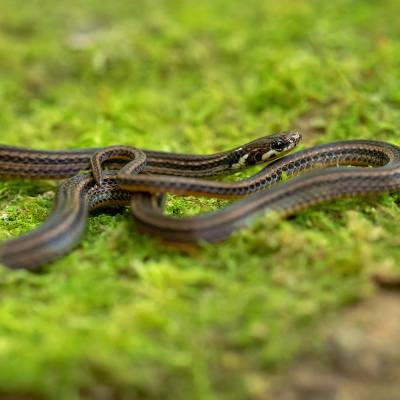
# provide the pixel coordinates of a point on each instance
(89, 187)
(141, 178)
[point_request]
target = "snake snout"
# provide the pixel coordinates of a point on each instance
(295, 138)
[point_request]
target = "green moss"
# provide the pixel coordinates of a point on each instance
(122, 316)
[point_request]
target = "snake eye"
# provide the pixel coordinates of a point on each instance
(278, 145)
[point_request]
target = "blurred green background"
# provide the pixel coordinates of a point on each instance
(124, 317)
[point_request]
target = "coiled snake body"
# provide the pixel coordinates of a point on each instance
(140, 177)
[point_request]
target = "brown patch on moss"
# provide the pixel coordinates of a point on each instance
(360, 359)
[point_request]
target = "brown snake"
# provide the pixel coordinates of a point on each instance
(146, 175)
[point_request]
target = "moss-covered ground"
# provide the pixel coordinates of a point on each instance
(124, 317)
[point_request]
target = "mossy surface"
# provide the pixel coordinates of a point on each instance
(122, 316)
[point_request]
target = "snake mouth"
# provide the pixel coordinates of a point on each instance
(294, 139)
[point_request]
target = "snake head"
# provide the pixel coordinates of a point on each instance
(265, 149)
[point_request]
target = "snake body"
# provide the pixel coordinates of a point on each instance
(146, 175)
(84, 192)
(18, 162)
(285, 198)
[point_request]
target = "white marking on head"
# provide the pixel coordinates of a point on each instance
(241, 162)
(269, 154)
